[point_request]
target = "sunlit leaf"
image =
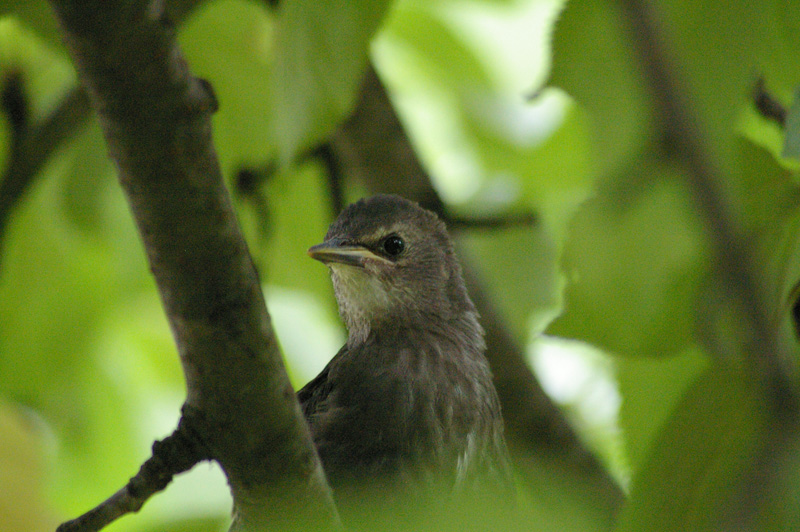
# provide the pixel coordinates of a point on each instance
(22, 472)
(36, 15)
(321, 51)
(237, 61)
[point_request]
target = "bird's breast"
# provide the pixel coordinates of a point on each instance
(400, 404)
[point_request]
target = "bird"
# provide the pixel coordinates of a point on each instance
(407, 408)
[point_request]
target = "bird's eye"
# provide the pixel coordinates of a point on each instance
(393, 245)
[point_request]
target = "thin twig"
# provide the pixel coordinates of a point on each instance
(491, 222)
(32, 147)
(14, 102)
(173, 455)
(767, 105)
(325, 153)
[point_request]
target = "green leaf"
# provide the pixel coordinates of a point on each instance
(292, 230)
(768, 196)
(779, 42)
(550, 175)
(791, 143)
(712, 48)
(58, 283)
(765, 132)
(321, 51)
(698, 461)
(22, 471)
(46, 75)
(525, 288)
(488, 143)
(36, 15)
(635, 264)
(594, 61)
(650, 390)
(237, 63)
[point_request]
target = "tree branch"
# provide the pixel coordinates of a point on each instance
(373, 147)
(32, 144)
(156, 120)
(767, 105)
(768, 359)
(491, 222)
(175, 454)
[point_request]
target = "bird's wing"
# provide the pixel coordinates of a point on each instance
(313, 394)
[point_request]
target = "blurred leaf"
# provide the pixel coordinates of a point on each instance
(46, 74)
(490, 150)
(779, 42)
(36, 15)
(511, 38)
(432, 77)
(698, 460)
(486, 141)
(594, 62)
(90, 181)
(43, 259)
(65, 274)
(791, 146)
(557, 175)
(320, 55)
(22, 473)
(651, 387)
(780, 509)
(581, 380)
(524, 278)
(421, 36)
(5, 141)
(56, 284)
(769, 198)
(635, 263)
(295, 229)
(766, 133)
(713, 48)
(237, 62)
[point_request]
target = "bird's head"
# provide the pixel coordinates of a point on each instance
(392, 261)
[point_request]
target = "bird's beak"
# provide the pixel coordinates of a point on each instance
(332, 251)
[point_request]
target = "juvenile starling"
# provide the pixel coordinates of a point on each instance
(408, 402)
